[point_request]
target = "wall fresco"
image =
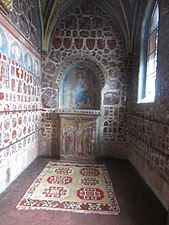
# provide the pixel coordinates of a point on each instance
(80, 89)
(16, 53)
(19, 91)
(36, 67)
(28, 63)
(3, 42)
(19, 97)
(78, 137)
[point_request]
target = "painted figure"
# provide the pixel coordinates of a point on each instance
(3, 42)
(80, 89)
(16, 53)
(90, 141)
(78, 140)
(82, 93)
(70, 141)
(63, 140)
(36, 67)
(85, 137)
(28, 61)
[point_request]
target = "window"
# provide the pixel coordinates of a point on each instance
(148, 62)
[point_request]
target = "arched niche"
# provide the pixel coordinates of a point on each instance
(80, 87)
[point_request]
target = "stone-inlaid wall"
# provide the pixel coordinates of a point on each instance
(50, 133)
(89, 35)
(24, 17)
(149, 122)
(20, 84)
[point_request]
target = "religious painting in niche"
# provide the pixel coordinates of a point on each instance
(78, 137)
(3, 42)
(28, 61)
(16, 53)
(111, 98)
(81, 89)
(50, 98)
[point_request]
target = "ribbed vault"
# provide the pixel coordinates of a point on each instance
(124, 12)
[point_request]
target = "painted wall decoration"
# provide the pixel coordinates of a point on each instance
(80, 89)
(19, 96)
(77, 138)
(111, 98)
(3, 42)
(4, 75)
(49, 98)
(36, 67)
(28, 63)
(16, 53)
(20, 103)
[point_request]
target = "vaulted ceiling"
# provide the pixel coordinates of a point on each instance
(124, 12)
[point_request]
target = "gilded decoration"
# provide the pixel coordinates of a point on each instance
(7, 5)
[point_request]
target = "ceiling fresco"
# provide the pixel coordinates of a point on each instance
(124, 12)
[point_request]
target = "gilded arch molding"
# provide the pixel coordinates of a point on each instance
(7, 5)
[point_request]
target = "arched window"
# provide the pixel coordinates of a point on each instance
(148, 59)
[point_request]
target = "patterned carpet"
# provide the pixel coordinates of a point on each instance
(82, 188)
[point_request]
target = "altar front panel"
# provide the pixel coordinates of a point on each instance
(78, 138)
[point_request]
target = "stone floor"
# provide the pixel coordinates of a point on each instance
(138, 204)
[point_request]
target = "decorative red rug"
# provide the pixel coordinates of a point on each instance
(82, 188)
